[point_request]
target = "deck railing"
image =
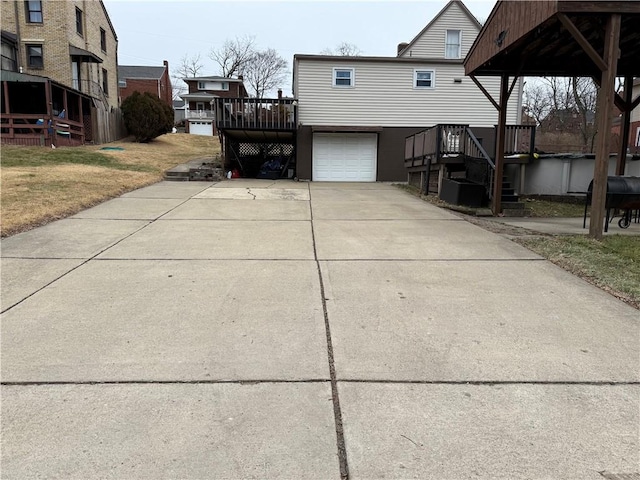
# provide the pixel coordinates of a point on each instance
(33, 129)
(256, 113)
(519, 139)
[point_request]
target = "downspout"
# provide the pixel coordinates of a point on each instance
(19, 41)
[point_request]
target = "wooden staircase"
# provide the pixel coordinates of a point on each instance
(512, 206)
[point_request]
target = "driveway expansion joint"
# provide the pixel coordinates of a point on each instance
(337, 412)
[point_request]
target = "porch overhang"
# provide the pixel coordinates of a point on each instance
(84, 55)
(199, 97)
(567, 39)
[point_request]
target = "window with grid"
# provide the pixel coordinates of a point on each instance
(79, 27)
(34, 56)
(453, 43)
(105, 82)
(103, 40)
(343, 77)
(9, 60)
(33, 11)
(424, 78)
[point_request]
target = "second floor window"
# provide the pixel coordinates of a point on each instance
(79, 28)
(103, 40)
(33, 11)
(343, 77)
(423, 78)
(202, 86)
(34, 56)
(105, 82)
(453, 43)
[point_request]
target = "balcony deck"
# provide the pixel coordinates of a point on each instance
(276, 117)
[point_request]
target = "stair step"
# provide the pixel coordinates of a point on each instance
(511, 212)
(508, 191)
(509, 199)
(512, 205)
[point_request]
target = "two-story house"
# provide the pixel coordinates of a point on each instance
(153, 80)
(355, 112)
(65, 55)
(200, 101)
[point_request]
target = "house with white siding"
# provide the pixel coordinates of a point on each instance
(355, 112)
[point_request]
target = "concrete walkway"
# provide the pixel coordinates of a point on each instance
(256, 329)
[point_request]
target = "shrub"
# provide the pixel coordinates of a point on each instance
(146, 117)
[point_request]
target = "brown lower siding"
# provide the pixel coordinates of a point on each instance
(390, 153)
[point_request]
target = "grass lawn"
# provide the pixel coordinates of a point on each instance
(546, 208)
(40, 185)
(612, 264)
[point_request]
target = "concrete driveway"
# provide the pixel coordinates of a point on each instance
(256, 329)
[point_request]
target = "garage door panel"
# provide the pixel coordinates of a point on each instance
(345, 157)
(201, 128)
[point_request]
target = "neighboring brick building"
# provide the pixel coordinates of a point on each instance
(202, 91)
(71, 42)
(59, 61)
(154, 80)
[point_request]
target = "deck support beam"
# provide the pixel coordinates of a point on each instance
(603, 123)
(500, 137)
(625, 125)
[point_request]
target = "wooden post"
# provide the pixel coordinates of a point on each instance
(5, 93)
(49, 99)
(605, 100)
(500, 140)
(625, 124)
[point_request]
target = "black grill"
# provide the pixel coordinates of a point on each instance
(623, 193)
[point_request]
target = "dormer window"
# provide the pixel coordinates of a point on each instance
(453, 43)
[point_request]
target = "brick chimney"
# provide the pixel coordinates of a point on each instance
(279, 94)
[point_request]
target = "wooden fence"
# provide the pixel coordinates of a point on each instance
(106, 126)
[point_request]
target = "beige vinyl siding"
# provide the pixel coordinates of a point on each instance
(384, 95)
(432, 42)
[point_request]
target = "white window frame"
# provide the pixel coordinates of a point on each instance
(446, 45)
(423, 70)
(202, 85)
(224, 86)
(344, 69)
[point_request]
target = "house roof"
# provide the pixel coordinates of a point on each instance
(464, 9)
(179, 104)
(141, 72)
(106, 14)
(212, 79)
(344, 59)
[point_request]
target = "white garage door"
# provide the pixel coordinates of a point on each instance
(200, 128)
(340, 157)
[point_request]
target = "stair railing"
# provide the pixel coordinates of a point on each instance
(483, 169)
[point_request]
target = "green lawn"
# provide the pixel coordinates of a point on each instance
(612, 264)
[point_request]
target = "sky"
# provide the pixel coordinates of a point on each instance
(151, 31)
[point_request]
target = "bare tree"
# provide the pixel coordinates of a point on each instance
(233, 56)
(264, 72)
(343, 49)
(564, 106)
(536, 102)
(190, 66)
(585, 96)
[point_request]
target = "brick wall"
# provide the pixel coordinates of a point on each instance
(139, 85)
(57, 32)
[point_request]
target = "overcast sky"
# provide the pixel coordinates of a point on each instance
(152, 31)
